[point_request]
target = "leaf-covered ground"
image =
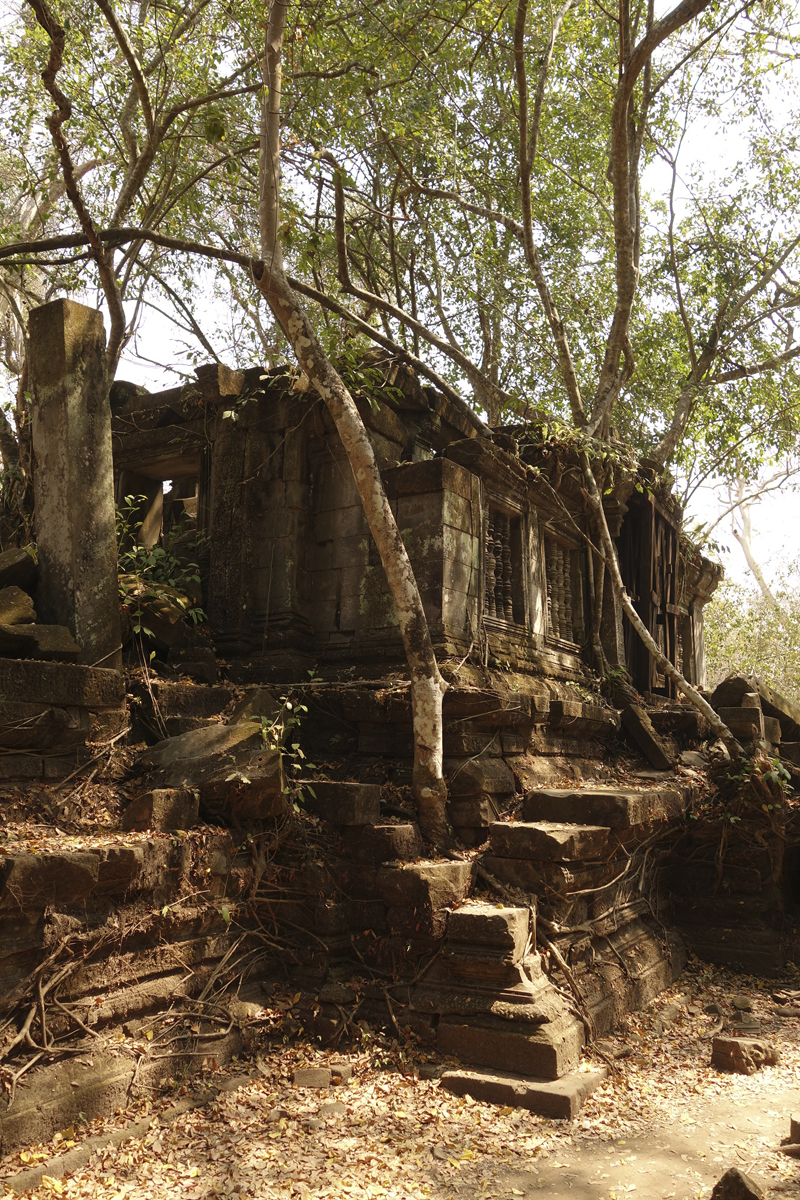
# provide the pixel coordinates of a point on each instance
(666, 1125)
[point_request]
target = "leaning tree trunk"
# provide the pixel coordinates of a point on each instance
(612, 562)
(427, 685)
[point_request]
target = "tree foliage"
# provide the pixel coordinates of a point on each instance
(745, 634)
(509, 209)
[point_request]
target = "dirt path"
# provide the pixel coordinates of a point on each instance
(667, 1126)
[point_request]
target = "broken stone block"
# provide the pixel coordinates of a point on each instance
(16, 607)
(742, 1055)
(794, 1130)
(49, 643)
(735, 1185)
(18, 569)
(773, 704)
(560, 1100)
(165, 809)
(547, 840)
(236, 777)
(639, 728)
(750, 700)
(743, 722)
(312, 1077)
(255, 704)
(346, 803)
(693, 758)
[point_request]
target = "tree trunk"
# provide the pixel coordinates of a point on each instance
(427, 685)
(612, 562)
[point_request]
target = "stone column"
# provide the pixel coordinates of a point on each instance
(73, 480)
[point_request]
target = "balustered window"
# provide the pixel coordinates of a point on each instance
(564, 592)
(504, 593)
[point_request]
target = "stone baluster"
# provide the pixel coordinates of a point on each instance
(569, 631)
(489, 561)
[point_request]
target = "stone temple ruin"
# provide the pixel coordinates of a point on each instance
(561, 916)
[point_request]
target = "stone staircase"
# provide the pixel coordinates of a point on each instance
(486, 998)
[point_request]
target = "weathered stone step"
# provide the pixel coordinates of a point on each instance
(547, 841)
(376, 844)
(546, 1051)
(618, 809)
(575, 718)
(561, 1099)
(346, 803)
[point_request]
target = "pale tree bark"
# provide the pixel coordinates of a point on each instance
(744, 537)
(427, 685)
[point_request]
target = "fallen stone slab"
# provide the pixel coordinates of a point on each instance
(560, 1099)
(312, 1077)
(165, 809)
(742, 1055)
(794, 1130)
(735, 1185)
(16, 607)
(639, 728)
(346, 803)
(547, 841)
(19, 569)
(235, 776)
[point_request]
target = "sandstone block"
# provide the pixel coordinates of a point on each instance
(619, 809)
(347, 803)
(31, 882)
(503, 929)
(546, 1051)
(547, 841)
(743, 722)
(559, 1100)
(432, 885)
(473, 812)
(312, 1077)
(375, 844)
(772, 730)
(165, 809)
(742, 1055)
(18, 569)
(736, 1185)
(477, 775)
(639, 728)
(16, 607)
(236, 778)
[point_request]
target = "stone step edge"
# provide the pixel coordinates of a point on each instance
(561, 1099)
